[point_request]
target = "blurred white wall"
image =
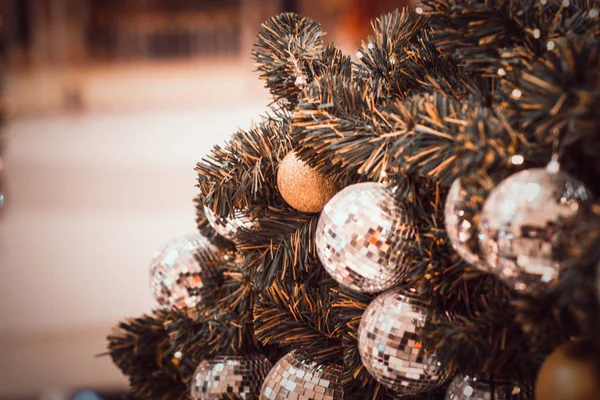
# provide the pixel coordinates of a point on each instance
(90, 198)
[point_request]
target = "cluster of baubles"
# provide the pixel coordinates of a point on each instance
(363, 239)
(533, 225)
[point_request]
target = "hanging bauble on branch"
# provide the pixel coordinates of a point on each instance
(460, 225)
(228, 226)
(571, 372)
(534, 224)
(302, 187)
(361, 238)
(296, 376)
(186, 271)
(241, 376)
(464, 387)
(389, 345)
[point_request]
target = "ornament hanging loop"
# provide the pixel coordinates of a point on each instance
(553, 166)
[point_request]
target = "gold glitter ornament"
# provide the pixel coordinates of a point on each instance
(302, 187)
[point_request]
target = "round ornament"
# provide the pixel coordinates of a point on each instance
(571, 372)
(228, 226)
(296, 376)
(389, 344)
(302, 187)
(460, 227)
(532, 224)
(361, 237)
(234, 375)
(464, 387)
(185, 271)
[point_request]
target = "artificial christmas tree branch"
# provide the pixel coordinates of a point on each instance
(298, 316)
(283, 248)
(451, 92)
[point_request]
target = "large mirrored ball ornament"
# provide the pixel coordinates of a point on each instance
(533, 224)
(389, 344)
(460, 227)
(464, 387)
(296, 376)
(185, 271)
(241, 376)
(228, 226)
(361, 238)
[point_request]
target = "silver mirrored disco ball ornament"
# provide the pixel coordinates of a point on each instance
(531, 225)
(235, 375)
(464, 387)
(228, 226)
(389, 345)
(185, 271)
(460, 228)
(296, 376)
(361, 238)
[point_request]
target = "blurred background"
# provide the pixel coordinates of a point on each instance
(106, 105)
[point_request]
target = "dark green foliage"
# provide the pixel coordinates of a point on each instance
(336, 113)
(299, 316)
(401, 55)
(141, 348)
(282, 248)
(290, 53)
(212, 332)
(451, 90)
(242, 175)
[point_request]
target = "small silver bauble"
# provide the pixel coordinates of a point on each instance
(228, 226)
(389, 344)
(464, 387)
(295, 376)
(185, 271)
(529, 224)
(235, 375)
(460, 227)
(361, 237)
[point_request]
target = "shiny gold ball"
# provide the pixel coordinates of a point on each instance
(302, 187)
(571, 372)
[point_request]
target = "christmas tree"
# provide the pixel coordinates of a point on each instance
(415, 222)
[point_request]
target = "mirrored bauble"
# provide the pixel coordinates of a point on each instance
(460, 227)
(361, 238)
(228, 226)
(389, 345)
(235, 375)
(532, 225)
(464, 387)
(295, 376)
(185, 271)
